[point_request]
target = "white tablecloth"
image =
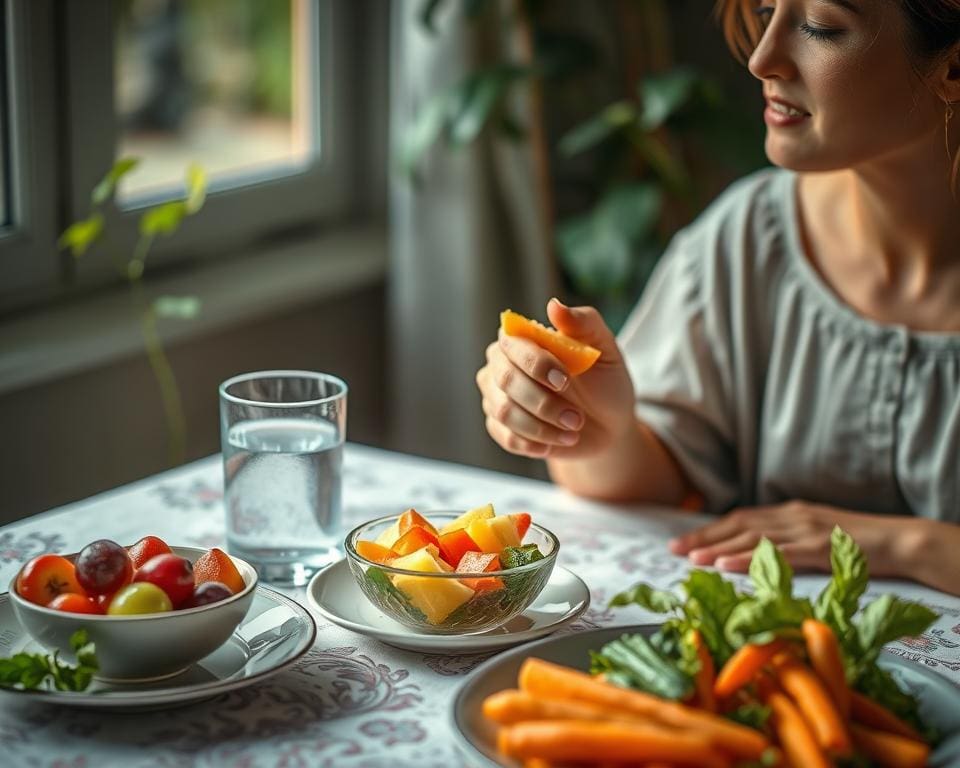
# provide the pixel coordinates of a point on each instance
(352, 701)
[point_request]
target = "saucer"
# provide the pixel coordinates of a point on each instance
(275, 633)
(335, 595)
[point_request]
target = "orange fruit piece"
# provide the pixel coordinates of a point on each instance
(147, 547)
(576, 356)
(216, 565)
(373, 551)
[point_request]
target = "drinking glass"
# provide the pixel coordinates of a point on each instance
(282, 435)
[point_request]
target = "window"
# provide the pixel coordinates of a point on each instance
(232, 83)
(244, 88)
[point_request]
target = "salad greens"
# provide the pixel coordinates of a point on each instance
(726, 619)
(28, 671)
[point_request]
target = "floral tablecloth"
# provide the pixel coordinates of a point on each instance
(352, 701)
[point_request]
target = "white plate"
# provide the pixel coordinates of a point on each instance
(334, 594)
(476, 736)
(275, 633)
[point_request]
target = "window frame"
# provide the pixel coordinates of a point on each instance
(28, 256)
(232, 218)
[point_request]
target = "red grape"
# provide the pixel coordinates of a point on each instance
(103, 566)
(173, 574)
(208, 592)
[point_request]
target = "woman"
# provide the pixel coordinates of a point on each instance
(795, 360)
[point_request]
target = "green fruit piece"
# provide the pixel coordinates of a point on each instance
(137, 598)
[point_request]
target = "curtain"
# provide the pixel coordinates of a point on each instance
(468, 239)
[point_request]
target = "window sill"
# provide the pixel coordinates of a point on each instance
(64, 340)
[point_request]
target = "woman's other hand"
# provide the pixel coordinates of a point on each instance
(533, 407)
(897, 547)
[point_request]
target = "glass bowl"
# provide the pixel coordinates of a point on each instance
(390, 589)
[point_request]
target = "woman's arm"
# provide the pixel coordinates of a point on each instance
(633, 466)
(896, 547)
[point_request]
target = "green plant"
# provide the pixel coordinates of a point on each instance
(161, 220)
(653, 155)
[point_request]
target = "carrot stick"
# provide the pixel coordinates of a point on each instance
(890, 750)
(741, 668)
(549, 680)
(796, 738)
(705, 677)
(824, 653)
(576, 740)
(816, 706)
(867, 712)
(513, 706)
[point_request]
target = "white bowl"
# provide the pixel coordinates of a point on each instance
(148, 646)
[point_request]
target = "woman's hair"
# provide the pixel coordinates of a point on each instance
(933, 29)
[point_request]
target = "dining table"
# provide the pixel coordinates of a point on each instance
(350, 699)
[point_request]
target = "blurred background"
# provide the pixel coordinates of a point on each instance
(349, 186)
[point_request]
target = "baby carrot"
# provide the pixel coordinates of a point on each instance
(816, 706)
(705, 677)
(543, 678)
(741, 668)
(867, 712)
(513, 706)
(575, 740)
(795, 737)
(824, 653)
(889, 750)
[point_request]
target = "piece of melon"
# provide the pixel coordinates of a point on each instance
(478, 513)
(435, 598)
(388, 537)
(506, 530)
(575, 355)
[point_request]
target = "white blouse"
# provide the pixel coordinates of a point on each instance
(767, 387)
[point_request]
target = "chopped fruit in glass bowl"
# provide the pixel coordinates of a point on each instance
(452, 572)
(147, 608)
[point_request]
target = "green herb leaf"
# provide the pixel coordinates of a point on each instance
(760, 621)
(710, 601)
(29, 671)
(633, 657)
(771, 574)
(886, 619)
(514, 557)
(647, 597)
(837, 603)
(752, 715)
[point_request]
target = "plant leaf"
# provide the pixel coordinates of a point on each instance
(598, 128)
(424, 131)
(479, 94)
(663, 94)
(759, 621)
(179, 307)
(80, 235)
(108, 184)
(428, 11)
(196, 189)
(163, 219)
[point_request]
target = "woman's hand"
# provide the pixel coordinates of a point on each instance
(894, 546)
(534, 408)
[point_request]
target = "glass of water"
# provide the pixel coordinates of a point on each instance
(282, 435)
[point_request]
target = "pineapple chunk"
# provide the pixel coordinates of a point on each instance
(389, 536)
(482, 532)
(505, 530)
(436, 598)
(479, 513)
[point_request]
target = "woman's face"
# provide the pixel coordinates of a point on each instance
(840, 86)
